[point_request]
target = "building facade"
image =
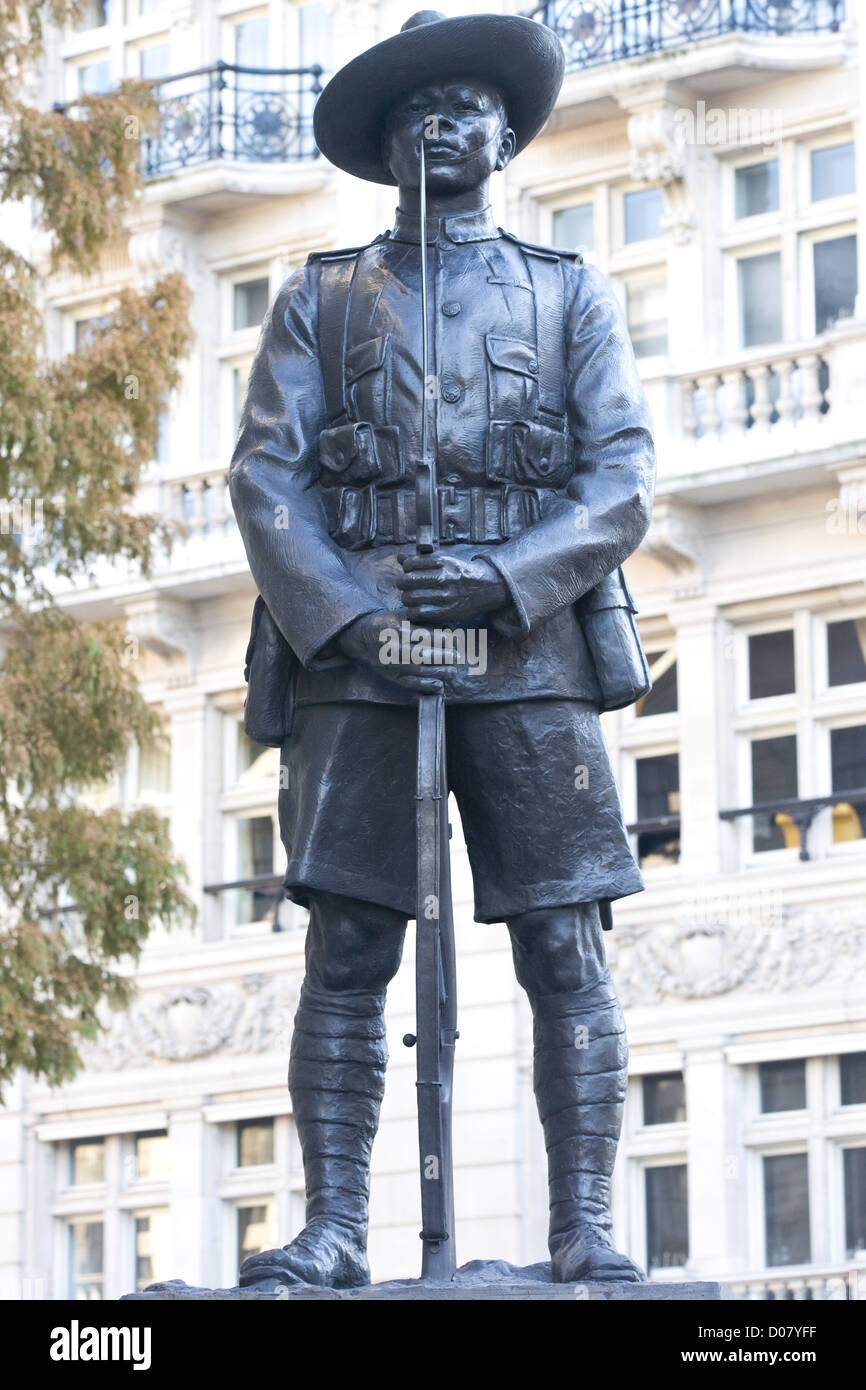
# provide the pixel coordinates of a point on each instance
(710, 158)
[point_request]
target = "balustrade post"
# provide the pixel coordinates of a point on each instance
(709, 384)
(737, 413)
(762, 406)
(813, 396)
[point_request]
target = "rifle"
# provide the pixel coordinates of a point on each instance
(435, 970)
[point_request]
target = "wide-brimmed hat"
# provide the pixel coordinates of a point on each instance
(522, 59)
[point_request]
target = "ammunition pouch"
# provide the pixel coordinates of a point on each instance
(360, 453)
(529, 453)
(270, 670)
(607, 616)
(372, 516)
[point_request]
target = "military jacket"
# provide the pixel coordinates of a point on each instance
(537, 420)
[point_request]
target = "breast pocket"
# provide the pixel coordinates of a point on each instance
(512, 378)
(368, 380)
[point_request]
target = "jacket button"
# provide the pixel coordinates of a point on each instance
(452, 308)
(533, 364)
(451, 392)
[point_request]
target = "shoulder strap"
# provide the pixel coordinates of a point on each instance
(336, 276)
(545, 273)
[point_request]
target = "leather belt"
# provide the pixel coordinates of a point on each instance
(371, 516)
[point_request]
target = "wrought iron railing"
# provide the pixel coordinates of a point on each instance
(605, 31)
(801, 811)
(257, 115)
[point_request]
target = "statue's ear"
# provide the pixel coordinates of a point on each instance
(507, 146)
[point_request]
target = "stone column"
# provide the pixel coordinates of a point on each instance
(714, 1178)
(700, 682)
(195, 1208)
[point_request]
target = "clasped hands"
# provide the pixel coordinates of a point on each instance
(435, 589)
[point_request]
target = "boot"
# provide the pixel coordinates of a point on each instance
(336, 1082)
(580, 1066)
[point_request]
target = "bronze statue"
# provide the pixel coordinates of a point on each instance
(540, 438)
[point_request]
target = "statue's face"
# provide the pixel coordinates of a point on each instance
(465, 132)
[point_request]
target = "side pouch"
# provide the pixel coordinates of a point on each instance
(270, 670)
(607, 616)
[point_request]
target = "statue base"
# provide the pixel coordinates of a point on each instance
(488, 1280)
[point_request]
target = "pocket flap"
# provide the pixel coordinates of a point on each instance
(366, 357)
(513, 354)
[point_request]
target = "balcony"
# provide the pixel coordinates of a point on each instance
(251, 115)
(607, 31)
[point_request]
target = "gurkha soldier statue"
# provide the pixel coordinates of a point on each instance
(502, 371)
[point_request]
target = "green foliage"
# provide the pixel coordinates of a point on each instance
(79, 889)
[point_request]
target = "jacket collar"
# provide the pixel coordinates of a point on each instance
(460, 227)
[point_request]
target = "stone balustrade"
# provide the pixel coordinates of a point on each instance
(841, 1283)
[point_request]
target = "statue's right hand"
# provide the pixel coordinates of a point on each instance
(366, 640)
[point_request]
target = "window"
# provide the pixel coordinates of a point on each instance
(86, 329)
(774, 778)
(248, 751)
(255, 857)
(154, 60)
(786, 1209)
(255, 1143)
(250, 303)
(643, 212)
(835, 266)
(252, 50)
(756, 189)
(848, 773)
(573, 228)
(832, 171)
(783, 1085)
(646, 310)
(771, 664)
(94, 78)
(658, 794)
(86, 1258)
(153, 1156)
(239, 391)
(846, 651)
(257, 1229)
(664, 1099)
(852, 1078)
(153, 1246)
(94, 14)
(854, 1168)
(87, 1162)
(760, 298)
(667, 1216)
(154, 770)
(662, 699)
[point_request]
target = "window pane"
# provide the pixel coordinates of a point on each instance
(255, 1143)
(855, 1202)
(154, 770)
(257, 1229)
(248, 750)
(771, 664)
(756, 189)
(852, 1074)
(664, 1099)
(783, 1085)
(774, 778)
(667, 1216)
(760, 290)
(94, 78)
(255, 856)
(153, 1246)
(846, 651)
(786, 1209)
(643, 214)
(94, 14)
(848, 771)
(251, 43)
(658, 794)
(251, 299)
(88, 1161)
(646, 308)
(832, 172)
(85, 1258)
(239, 387)
(574, 227)
(835, 280)
(153, 1156)
(153, 61)
(662, 699)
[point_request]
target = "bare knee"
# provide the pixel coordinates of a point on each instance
(352, 945)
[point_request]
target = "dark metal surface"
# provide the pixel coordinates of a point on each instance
(256, 115)
(607, 31)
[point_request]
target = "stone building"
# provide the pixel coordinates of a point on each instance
(710, 158)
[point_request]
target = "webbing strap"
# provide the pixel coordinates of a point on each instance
(335, 295)
(545, 274)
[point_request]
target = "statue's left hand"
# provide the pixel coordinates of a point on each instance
(448, 588)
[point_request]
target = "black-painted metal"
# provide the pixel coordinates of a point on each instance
(802, 810)
(607, 31)
(255, 115)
